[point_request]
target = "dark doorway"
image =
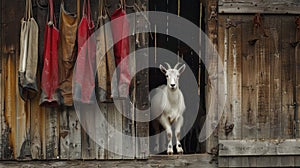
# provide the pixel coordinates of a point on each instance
(189, 9)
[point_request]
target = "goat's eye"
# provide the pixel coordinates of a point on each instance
(167, 76)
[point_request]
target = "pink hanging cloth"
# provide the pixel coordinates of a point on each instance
(84, 85)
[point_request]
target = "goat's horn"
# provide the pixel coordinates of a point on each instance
(176, 66)
(168, 65)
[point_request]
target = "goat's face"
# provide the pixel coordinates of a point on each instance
(172, 75)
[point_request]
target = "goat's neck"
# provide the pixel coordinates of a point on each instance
(173, 95)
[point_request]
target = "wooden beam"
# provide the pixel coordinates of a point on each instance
(259, 6)
(259, 147)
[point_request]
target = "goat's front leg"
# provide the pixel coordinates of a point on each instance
(167, 126)
(178, 125)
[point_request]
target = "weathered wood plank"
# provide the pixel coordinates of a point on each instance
(64, 133)
(287, 74)
(297, 161)
(297, 84)
(35, 128)
(10, 107)
(52, 133)
(87, 121)
(263, 83)
(275, 76)
(127, 131)
(142, 103)
(223, 161)
(212, 67)
(1, 83)
(249, 110)
(102, 139)
(223, 51)
(259, 147)
(75, 135)
(114, 126)
(233, 77)
(259, 6)
(70, 134)
(234, 162)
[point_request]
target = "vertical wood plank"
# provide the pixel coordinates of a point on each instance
(115, 125)
(249, 110)
(1, 104)
(102, 139)
(75, 135)
(128, 145)
(275, 77)
(235, 162)
(10, 107)
(52, 133)
(263, 83)
(297, 87)
(35, 128)
(142, 103)
(234, 80)
(1, 83)
(223, 51)
(87, 121)
(287, 114)
(212, 30)
(64, 133)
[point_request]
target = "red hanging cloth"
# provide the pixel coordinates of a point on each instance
(50, 83)
(120, 28)
(85, 64)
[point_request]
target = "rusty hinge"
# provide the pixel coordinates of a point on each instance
(213, 13)
(297, 22)
(233, 23)
(258, 24)
(228, 128)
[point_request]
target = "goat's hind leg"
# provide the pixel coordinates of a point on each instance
(178, 125)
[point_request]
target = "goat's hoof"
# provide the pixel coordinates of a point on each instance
(179, 150)
(170, 151)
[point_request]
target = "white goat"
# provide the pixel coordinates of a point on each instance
(168, 104)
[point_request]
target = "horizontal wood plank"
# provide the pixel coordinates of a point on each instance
(259, 6)
(259, 147)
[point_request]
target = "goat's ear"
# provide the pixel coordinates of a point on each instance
(181, 69)
(163, 69)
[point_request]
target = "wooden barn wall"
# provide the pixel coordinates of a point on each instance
(29, 131)
(262, 85)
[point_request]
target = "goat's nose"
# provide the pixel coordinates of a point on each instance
(172, 85)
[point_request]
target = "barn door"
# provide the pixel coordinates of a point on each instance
(260, 53)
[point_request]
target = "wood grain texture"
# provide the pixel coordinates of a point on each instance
(142, 103)
(52, 133)
(212, 29)
(249, 99)
(259, 147)
(275, 76)
(287, 71)
(297, 83)
(259, 6)
(102, 133)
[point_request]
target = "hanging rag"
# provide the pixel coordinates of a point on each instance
(49, 95)
(67, 52)
(120, 28)
(85, 64)
(28, 55)
(105, 58)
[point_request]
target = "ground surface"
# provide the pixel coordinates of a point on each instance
(191, 161)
